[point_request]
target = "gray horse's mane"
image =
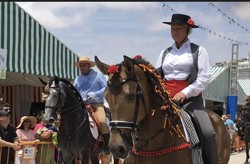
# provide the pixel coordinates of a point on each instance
(66, 82)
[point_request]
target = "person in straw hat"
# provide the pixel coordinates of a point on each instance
(25, 128)
(26, 134)
(186, 71)
(91, 86)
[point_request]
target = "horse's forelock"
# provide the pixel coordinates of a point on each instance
(114, 84)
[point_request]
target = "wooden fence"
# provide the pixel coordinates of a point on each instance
(30, 153)
(40, 153)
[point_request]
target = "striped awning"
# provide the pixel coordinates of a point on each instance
(216, 71)
(243, 90)
(31, 49)
(217, 89)
(245, 85)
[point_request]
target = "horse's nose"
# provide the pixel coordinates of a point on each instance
(119, 151)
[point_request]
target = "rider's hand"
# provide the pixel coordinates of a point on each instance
(179, 97)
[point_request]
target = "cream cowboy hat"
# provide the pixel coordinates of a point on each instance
(84, 60)
(32, 119)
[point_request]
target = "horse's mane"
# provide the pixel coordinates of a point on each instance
(157, 86)
(71, 86)
(161, 98)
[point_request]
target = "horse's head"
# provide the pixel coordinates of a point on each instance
(128, 94)
(54, 98)
(62, 99)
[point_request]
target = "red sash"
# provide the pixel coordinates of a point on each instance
(175, 86)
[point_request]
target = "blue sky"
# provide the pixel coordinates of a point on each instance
(110, 30)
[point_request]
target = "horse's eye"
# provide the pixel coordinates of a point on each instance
(130, 97)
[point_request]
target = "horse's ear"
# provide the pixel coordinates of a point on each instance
(42, 81)
(128, 64)
(56, 80)
(101, 66)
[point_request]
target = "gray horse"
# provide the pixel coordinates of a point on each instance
(74, 137)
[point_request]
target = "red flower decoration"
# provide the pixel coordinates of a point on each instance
(138, 57)
(113, 69)
(190, 21)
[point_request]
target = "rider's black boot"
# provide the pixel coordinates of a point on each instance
(106, 142)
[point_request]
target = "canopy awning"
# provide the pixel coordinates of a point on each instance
(243, 90)
(218, 87)
(31, 49)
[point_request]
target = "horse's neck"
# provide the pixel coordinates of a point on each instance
(157, 128)
(73, 115)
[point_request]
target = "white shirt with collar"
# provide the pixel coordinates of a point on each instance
(177, 66)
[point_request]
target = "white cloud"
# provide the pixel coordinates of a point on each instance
(46, 13)
(242, 10)
(78, 13)
(128, 28)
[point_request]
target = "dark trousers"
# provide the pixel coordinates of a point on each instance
(209, 146)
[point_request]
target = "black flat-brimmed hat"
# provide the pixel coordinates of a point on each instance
(182, 19)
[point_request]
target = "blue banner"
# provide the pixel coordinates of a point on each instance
(232, 106)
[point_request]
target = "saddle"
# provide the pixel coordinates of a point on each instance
(191, 135)
(196, 126)
(94, 126)
(197, 145)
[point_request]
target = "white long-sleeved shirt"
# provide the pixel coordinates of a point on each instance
(177, 66)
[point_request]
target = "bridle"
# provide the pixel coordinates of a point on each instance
(134, 126)
(66, 112)
(126, 124)
(58, 107)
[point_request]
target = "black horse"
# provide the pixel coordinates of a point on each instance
(244, 128)
(244, 133)
(74, 138)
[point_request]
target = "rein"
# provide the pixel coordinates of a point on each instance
(66, 112)
(71, 111)
(59, 105)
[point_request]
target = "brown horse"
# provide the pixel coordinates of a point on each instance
(146, 124)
